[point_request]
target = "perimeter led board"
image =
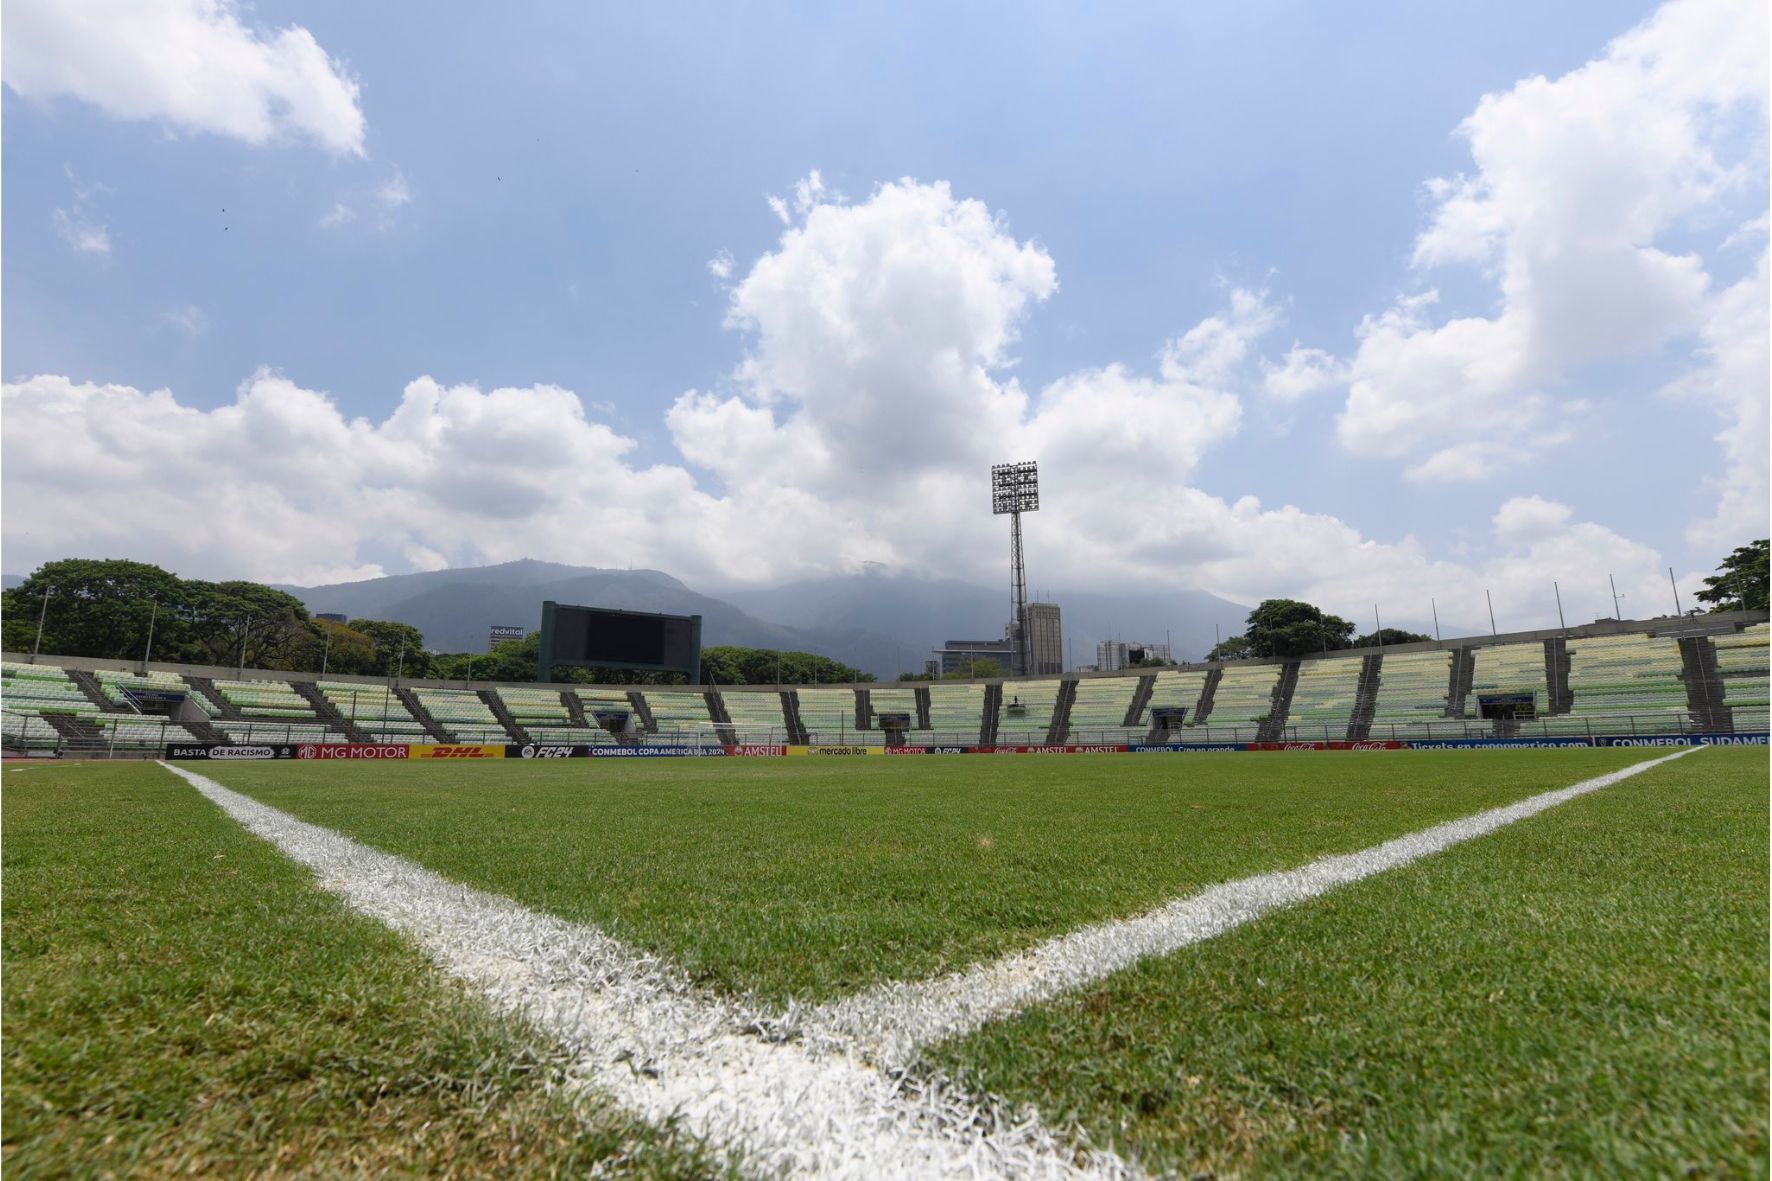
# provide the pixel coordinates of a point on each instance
(596, 637)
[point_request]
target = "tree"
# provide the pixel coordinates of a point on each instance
(1740, 583)
(399, 647)
(237, 622)
(1388, 636)
(978, 669)
(97, 608)
(1284, 628)
(1235, 648)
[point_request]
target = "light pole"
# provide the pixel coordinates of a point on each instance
(1558, 591)
(325, 646)
(1435, 608)
(388, 688)
(1377, 627)
(41, 615)
(245, 626)
(1616, 614)
(1491, 603)
(1676, 586)
(148, 651)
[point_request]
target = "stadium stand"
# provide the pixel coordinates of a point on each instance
(681, 715)
(1245, 696)
(1508, 668)
(592, 700)
(893, 699)
(1174, 688)
(1634, 674)
(1099, 712)
(756, 715)
(375, 710)
(828, 714)
(43, 689)
(1027, 712)
(462, 713)
(269, 711)
(1412, 688)
(955, 710)
(113, 682)
(1323, 699)
(1742, 662)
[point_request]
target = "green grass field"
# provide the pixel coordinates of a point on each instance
(807, 880)
(181, 1001)
(1581, 993)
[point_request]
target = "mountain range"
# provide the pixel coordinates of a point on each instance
(878, 621)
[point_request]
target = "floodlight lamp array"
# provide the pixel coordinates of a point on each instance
(1015, 488)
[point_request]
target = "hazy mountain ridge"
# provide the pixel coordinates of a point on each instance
(880, 622)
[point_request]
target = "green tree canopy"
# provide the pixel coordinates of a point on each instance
(1235, 648)
(1284, 628)
(92, 607)
(1740, 583)
(978, 669)
(399, 647)
(1388, 636)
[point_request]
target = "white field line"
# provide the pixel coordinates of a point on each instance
(646, 1039)
(817, 1107)
(893, 1021)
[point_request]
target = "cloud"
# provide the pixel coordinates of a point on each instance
(1587, 194)
(720, 266)
(384, 202)
(81, 234)
(189, 64)
(189, 320)
(875, 389)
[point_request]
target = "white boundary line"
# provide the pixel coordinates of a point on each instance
(893, 1021)
(645, 1038)
(818, 1107)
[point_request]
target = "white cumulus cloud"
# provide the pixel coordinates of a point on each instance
(1587, 195)
(875, 389)
(190, 64)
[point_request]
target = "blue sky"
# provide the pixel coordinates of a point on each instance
(516, 203)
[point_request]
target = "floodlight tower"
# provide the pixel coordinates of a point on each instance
(1015, 489)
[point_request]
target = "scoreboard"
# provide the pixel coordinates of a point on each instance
(598, 637)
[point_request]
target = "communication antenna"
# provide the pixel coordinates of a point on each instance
(1015, 489)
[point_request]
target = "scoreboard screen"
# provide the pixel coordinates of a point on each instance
(597, 637)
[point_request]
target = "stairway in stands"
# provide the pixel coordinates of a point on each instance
(1704, 685)
(1203, 710)
(327, 711)
(89, 685)
(1458, 689)
(993, 708)
(80, 733)
(1141, 697)
(1556, 676)
(790, 713)
(922, 696)
(423, 716)
(503, 714)
(1061, 711)
(1359, 724)
(643, 711)
(1275, 726)
(206, 687)
(721, 718)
